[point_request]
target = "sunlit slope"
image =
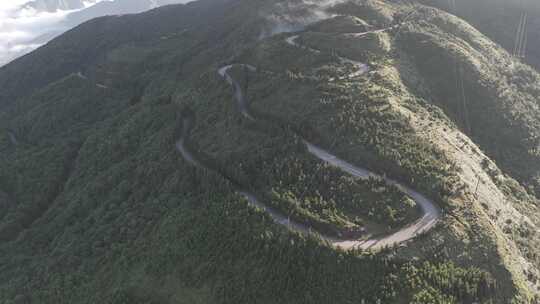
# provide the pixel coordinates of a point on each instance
(503, 21)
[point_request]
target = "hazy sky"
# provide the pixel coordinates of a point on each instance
(20, 29)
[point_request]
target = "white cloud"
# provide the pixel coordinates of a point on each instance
(23, 30)
(19, 28)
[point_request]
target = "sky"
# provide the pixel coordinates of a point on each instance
(19, 28)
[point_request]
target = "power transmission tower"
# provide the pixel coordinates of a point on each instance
(525, 35)
(520, 44)
(460, 83)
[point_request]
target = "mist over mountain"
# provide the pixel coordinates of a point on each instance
(27, 25)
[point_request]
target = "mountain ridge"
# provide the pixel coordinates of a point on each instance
(134, 222)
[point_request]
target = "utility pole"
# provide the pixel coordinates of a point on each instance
(246, 79)
(477, 184)
(289, 221)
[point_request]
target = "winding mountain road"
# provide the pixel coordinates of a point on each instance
(431, 212)
(361, 67)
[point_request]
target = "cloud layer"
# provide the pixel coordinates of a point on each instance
(23, 30)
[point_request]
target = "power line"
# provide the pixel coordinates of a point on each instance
(460, 82)
(464, 100)
(518, 36)
(520, 45)
(453, 6)
(525, 36)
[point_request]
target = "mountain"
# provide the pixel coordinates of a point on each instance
(501, 20)
(256, 151)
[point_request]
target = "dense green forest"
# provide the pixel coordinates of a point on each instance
(97, 205)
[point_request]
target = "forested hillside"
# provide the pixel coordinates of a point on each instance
(97, 205)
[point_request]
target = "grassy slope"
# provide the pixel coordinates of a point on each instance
(501, 111)
(119, 217)
(500, 114)
(499, 20)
